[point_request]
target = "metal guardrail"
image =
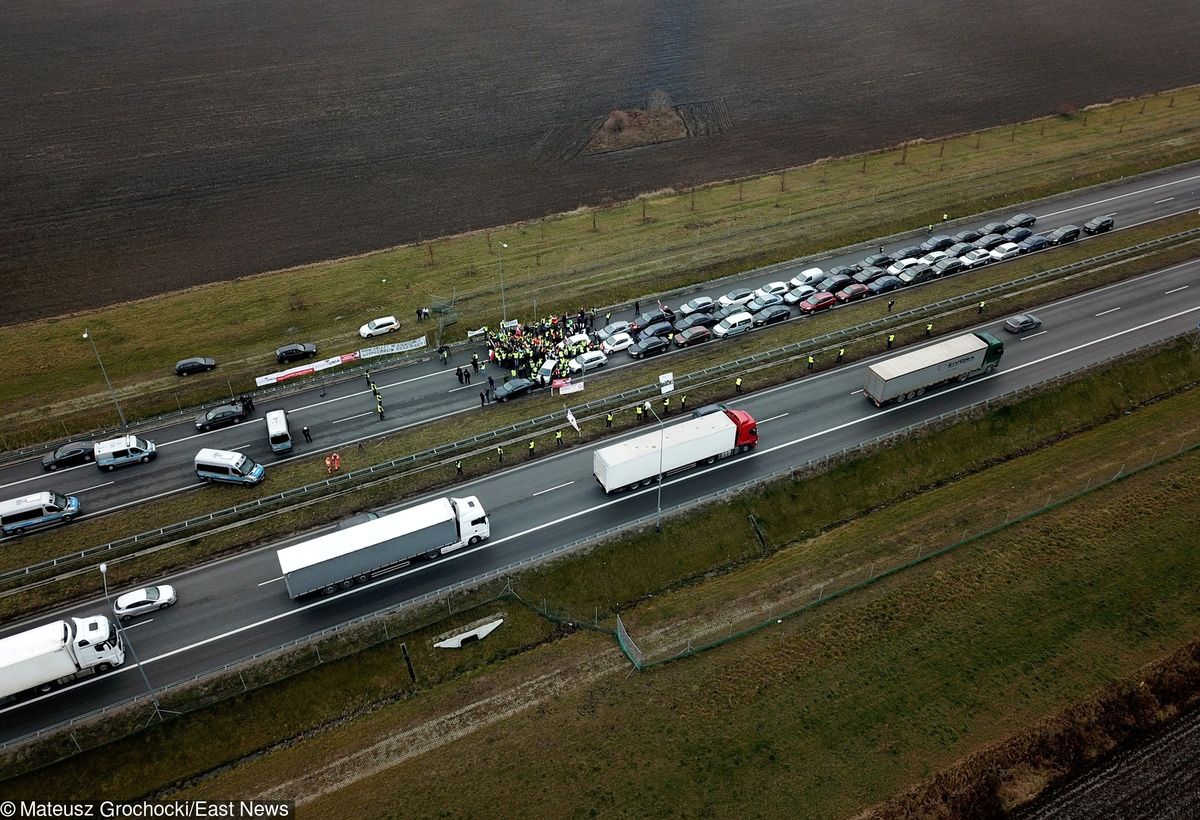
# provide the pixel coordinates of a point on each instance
(581, 543)
(618, 399)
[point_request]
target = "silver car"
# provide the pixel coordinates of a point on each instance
(144, 600)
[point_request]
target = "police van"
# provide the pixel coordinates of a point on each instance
(117, 452)
(278, 431)
(226, 465)
(37, 510)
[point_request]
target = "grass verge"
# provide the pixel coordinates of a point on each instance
(655, 243)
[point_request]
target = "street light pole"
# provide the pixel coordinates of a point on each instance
(111, 392)
(158, 711)
(662, 434)
(503, 303)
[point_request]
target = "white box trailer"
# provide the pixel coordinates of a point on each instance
(46, 656)
(342, 558)
(704, 439)
(911, 374)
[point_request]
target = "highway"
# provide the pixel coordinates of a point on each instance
(237, 606)
(343, 413)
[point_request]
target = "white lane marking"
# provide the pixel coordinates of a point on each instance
(856, 392)
(1121, 196)
(1106, 312)
(1175, 290)
(551, 489)
(781, 415)
(464, 387)
(489, 544)
(273, 580)
(352, 418)
(1030, 336)
(1161, 201)
(1114, 213)
(93, 487)
(135, 625)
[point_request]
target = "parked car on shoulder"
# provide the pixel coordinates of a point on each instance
(693, 336)
(1098, 225)
(295, 351)
(649, 346)
(147, 599)
(869, 274)
(69, 455)
(975, 258)
(818, 302)
(513, 388)
(616, 342)
(1036, 242)
(194, 364)
(234, 412)
(947, 266)
(808, 276)
(701, 304)
(1067, 233)
(378, 327)
(885, 283)
(852, 292)
(1021, 220)
(1022, 322)
(771, 315)
(1008, 250)
(898, 267)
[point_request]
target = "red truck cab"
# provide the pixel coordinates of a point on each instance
(747, 429)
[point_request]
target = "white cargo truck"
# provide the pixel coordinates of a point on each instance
(909, 375)
(627, 464)
(345, 557)
(41, 658)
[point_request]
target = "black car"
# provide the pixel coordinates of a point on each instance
(656, 329)
(771, 315)
(989, 241)
(869, 274)
(696, 320)
(1034, 243)
(876, 260)
(967, 236)
(195, 364)
(650, 346)
(1021, 221)
(833, 284)
(1017, 235)
(1098, 225)
(1067, 233)
(885, 283)
(911, 252)
(513, 388)
(841, 270)
(70, 454)
(693, 336)
(994, 227)
(938, 242)
(295, 351)
(918, 274)
(947, 266)
(232, 413)
(959, 248)
(659, 314)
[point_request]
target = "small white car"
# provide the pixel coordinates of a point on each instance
(143, 600)
(973, 259)
(588, 361)
(734, 325)
(701, 304)
(933, 256)
(799, 294)
(1008, 250)
(900, 266)
(613, 327)
(771, 289)
(378, 327)
(571, 341)
(739, 296)
(616, 342)
(808, 276)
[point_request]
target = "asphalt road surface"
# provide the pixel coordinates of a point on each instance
(237, 606)
(427, 391)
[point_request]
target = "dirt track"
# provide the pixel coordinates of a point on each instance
(153, 145)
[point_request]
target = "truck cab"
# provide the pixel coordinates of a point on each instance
(995, 349)
(473, 524)
(747, 429)
(97, 643)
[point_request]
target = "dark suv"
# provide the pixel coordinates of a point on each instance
(1067, 233)
(295, 351)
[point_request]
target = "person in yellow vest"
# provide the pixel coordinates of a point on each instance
(558, 438)
(531, 444)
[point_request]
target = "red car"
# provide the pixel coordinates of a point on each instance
(852, 292)
(818, 301)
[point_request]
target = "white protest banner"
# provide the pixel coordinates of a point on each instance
(574, 387)
(398, 347)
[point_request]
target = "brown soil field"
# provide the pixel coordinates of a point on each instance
(145, 147)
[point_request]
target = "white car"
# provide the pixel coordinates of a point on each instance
(799, 294)
(930, 258)
(613, 327)
(378, 327)
(571, 341)
(740, 296)
(972, 259)
(146, 599)
(616, 342)
(588, 361)
(770, 289)
(1007, 250)
(733, 325)
(902, 265)
(808, 276)
(701, 304)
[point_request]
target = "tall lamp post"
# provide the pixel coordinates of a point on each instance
(120, 413)
(158, 710)
(503, 303)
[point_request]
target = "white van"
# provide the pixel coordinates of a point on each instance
(124, 450)
(226, 465)
(37, 510)
(278, 431)
(733, 325)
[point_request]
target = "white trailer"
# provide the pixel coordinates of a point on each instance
(41, 658)
(911, 374)
(342, 558)
(705, 439)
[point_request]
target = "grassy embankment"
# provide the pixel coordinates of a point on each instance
(805, 545)
(605, 256)
(439, 472)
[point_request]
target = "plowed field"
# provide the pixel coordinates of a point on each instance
(148, 146)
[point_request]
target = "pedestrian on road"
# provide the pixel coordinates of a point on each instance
(929, 329)
(500, 454)
(945, 217)
(637, 308)
(558, 438)
(379, 409)
(368, 375)
(467, 375)
(841, 354)
(475, 362)
(737, 384)
(307, 435)
(608, 318)
(458, 467)
(531, 445)
(683, 403)
(929, 230)
(482, 398)
(881, 248)
(981, 305)
(811, 362)
(608, 422)
(458, 375)
(491, 383)
(891, 338)
(891, 304)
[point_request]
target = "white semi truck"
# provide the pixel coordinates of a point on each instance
(39, 659)
(909, 375)
(345, 557)
(639, 460)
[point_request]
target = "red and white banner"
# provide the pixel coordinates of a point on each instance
(306, 369)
